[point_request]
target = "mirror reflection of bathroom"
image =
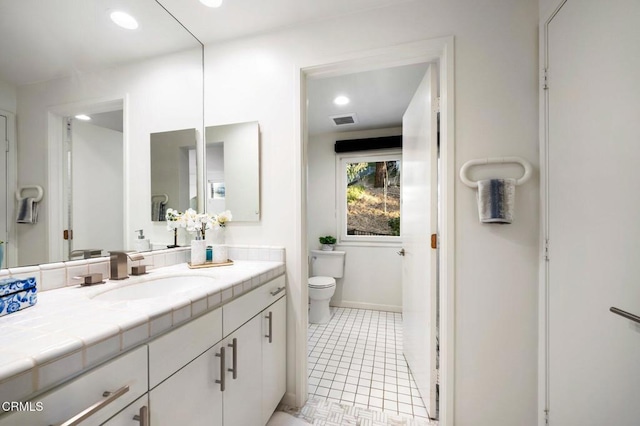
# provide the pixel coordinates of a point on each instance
(233, 170)
(93, 181)
(173, 172)
(355, 335)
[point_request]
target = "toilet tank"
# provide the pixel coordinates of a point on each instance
(326, 263)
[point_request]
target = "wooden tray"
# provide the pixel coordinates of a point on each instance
(210, 264)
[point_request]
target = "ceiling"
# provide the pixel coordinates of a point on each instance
(44, 40)
(379, 98)
(241, 18)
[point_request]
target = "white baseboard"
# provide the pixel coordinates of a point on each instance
(371, 306)
(289, 399)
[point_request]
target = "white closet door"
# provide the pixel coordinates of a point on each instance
(418, 222)
(594, 213)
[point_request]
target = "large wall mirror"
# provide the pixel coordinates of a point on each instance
(65, 59)
(233, 170)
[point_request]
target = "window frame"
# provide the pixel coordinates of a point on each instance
(342, 160)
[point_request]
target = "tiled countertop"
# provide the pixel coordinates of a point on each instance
(68, 331)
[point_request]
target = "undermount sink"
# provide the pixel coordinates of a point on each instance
(160, 287)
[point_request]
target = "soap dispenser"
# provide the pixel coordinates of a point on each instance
(142, 243)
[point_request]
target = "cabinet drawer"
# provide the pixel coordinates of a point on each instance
(247, 306)
(68, 400)
(133, 414)
(169, 353)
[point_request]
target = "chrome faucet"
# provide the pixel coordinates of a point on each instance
(119, 265)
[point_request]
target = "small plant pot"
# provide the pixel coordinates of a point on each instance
(328, 247)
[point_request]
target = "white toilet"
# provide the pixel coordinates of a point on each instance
(324, 268)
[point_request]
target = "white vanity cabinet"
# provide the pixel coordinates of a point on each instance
(192, 396)
(137, 413)
(96, 395)
(274, 356)
(238, 380)
(243, 393)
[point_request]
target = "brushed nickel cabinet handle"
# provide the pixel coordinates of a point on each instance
(143, 417)
(270, 318)
(89, 411)
(223, 373)
(278, 290)
(234, 369)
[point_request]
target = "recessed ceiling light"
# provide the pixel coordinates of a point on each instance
(124, 20)
(211, 3)
(341, 100)
(83, 117)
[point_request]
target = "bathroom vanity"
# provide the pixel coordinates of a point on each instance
(203, 347)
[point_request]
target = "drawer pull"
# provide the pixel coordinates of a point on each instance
(278, 290)
(270, 318)
(88, 412)
(143, 417)
(234, 369)
(221, 355)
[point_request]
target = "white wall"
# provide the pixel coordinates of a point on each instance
(372, 273)
(8, 96)
(164, 94)
(215, 174)
(496, 114)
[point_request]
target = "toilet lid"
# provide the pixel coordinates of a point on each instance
(321, 282)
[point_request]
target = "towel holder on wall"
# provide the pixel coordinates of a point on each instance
(36, 199)
(528, 169)
(165, 196)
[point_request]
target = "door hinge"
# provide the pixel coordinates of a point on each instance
(7, 148)
(546, 249)
(546, 417)
(545, 79)
(434, 241)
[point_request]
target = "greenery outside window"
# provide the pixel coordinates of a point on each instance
(369, 197)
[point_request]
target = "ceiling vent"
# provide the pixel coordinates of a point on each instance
(344, 119)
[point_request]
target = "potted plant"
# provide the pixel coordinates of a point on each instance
(328, 242)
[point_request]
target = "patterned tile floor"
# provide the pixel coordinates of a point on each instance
(357, 373)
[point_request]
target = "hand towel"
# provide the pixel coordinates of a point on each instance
(496, 200)
(27, 211)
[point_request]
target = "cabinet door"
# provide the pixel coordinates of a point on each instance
(274, 356)
(135, 414)
(98, 394)
(191, 396)
(243, 394)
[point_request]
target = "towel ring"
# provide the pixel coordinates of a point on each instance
(37, 198)
(165, 196)
(528, 169)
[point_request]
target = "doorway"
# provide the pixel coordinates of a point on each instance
(8, 158)
(94, 181)
(87, 153)
(428, 51)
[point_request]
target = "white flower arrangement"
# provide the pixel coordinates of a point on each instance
(221, 219)
(196, 222)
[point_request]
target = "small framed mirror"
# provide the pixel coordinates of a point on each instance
(233, 170)
(173, 172)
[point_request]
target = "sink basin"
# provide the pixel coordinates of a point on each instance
(161, 287)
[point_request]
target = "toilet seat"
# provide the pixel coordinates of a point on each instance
(322, 282)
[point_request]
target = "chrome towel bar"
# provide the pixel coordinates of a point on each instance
(625, 314)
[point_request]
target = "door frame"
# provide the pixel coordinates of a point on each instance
(441, 51)
(11, 245)
(543, 270)
(55, 161)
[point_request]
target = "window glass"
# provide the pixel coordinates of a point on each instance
(372, 197)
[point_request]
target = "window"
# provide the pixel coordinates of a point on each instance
(369, 197)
